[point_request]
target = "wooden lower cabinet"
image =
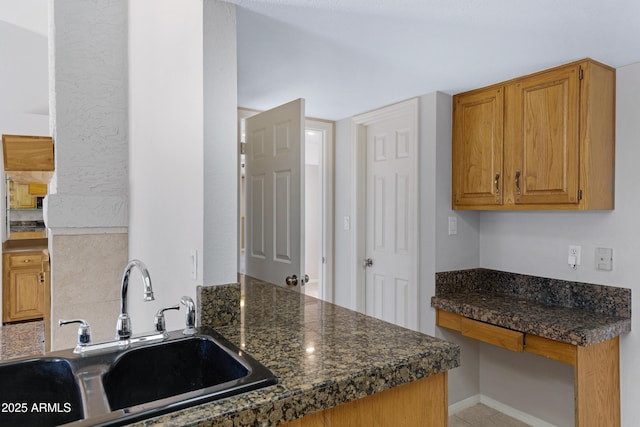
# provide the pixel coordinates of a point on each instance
(25, 286)
(416, 404)
(596, 368)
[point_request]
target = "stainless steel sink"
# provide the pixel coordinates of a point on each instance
(117, 386)
(39, 392)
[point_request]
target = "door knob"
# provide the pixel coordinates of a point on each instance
(291, 280)
(367, 262)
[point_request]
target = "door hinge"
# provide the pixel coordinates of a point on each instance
(579, 195)
(581, 74)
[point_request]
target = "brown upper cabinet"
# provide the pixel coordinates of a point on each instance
(28, 159)
(543, 141)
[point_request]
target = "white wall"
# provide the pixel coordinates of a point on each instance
(536, 243)
(342, 208)
(166, 151)
(182, 81)
(220, 246)
(24, 80)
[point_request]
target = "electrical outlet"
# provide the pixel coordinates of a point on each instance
(575, 255)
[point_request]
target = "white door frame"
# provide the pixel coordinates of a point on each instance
(359, 124)
(328, 130)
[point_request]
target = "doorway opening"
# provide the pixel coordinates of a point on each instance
(318, 221)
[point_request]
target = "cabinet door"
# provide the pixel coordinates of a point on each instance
(26, 294)
(477, 148)
(20, 197)
(542, 130)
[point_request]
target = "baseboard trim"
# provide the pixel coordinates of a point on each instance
(498, 406)
(464, 404)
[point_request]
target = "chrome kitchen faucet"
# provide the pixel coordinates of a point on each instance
(123, 328)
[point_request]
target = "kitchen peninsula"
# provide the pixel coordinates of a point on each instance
(332, 364)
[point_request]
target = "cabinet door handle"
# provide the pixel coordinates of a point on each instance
(518, 182)
(496, 182)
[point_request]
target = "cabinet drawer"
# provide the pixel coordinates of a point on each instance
(560, 351)
(501, 337)
(26, 261)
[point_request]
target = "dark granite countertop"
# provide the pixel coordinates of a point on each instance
(322, 354)
(35, 225)
(574, 313)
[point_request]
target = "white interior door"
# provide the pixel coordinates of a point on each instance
(391, 231)
(274, 171)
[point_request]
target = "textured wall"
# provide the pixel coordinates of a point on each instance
(86, 211)
(86, 270)
(88, 102)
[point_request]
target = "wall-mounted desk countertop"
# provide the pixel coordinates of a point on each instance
(574, 323)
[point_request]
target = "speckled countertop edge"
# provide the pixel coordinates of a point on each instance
(322, 354)
(574, 313)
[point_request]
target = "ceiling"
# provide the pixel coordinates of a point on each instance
(346, 57)
(350, 56)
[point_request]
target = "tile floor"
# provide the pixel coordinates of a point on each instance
(483, 416)
(21, 339)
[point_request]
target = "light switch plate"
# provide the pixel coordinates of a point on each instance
(604, 259)
(194, 264)
(453, 226)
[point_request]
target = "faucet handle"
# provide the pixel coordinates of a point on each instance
(84, 330)
(159, 320)
(190, 315)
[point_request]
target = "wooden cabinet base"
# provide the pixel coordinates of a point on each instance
(416, 404)
(597, 384)
(596, 368)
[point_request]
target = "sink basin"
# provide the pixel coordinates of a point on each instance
(121, 384)
(39, 391)
(167, 369)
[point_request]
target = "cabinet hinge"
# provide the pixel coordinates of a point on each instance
(579, 195)
(581, 74)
